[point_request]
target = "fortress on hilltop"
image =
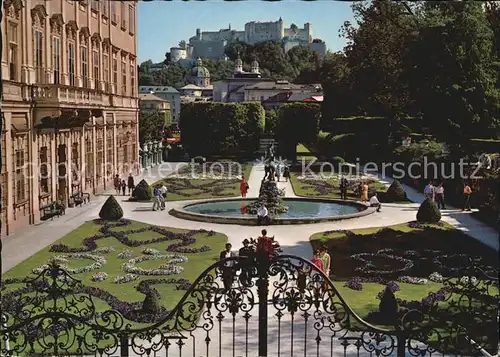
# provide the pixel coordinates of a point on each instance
(211, 44)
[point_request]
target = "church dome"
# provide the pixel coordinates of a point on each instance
(199, 70)
(238, 62)
(255, 64)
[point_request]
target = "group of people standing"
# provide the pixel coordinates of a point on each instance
(121, 185)
(159, 197)
(264, 244)
(436, 194)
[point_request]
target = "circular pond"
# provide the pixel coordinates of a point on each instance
(300, 211)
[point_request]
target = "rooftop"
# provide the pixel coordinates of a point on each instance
(162, 89)
(151, 96)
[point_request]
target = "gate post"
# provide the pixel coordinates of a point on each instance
(401, 351)
(263, 292)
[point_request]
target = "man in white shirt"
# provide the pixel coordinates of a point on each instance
(262, 214)
(374, 202)
(163, 191)
(429, 191)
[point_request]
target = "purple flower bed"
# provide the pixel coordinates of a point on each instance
(354, 283)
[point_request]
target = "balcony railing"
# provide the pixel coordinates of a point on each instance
(57, 95)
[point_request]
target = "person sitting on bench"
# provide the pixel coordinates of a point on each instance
(374, 202)
(262, 214)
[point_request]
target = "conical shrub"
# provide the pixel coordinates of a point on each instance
(388, 307)
(151, 303)
(395, 192)
(142, 192)
(111, 210)
(428, 212)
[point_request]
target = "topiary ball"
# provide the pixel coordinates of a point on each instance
(111, 210)
(428, 212)
(395, 192)
(142, 192)
(151, 303)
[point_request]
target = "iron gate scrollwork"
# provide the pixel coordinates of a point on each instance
(276, 306)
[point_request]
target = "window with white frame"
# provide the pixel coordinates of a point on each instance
(115, 70)
(84, 65)
(96, 63)
(131, 19)
(13, 58)
(124, 75)
(123, 15)
(38, 56)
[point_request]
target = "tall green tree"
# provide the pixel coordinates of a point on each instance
(451, 72)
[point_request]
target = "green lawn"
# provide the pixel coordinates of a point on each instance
(203, 188)
(170, 296)
(301, 150)
(401, 237)
(326, 188)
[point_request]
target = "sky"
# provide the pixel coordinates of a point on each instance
(162, 24)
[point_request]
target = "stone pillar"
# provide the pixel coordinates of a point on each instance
(33, 173)
(69, 162)
(116, 165)
(48, 52)
(83, 160)
(94, 157)
(64, 55)
(27, 71)
(105, 149)
(54, 143)
(9, 168)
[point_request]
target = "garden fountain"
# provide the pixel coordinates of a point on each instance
(297, 210)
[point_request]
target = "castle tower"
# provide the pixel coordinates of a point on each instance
(198, 34)
(238, 65)
(281, 28)
(308, 29)
(255, 67)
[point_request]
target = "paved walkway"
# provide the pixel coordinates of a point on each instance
(459, 219)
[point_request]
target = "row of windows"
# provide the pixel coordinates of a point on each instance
(110, 8)
(56, 48)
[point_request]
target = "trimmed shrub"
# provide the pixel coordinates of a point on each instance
(142, 192)
(111, 210)
(428, 212)
(151, 303)
(199, 160)
(395, 192)
(388, 307)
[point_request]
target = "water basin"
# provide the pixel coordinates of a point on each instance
(300, 210)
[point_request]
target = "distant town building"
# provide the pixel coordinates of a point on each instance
(277, 100)
(250, 86)
(211, 44)
(149, 102)
(170, 94)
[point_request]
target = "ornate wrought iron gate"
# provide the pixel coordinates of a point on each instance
(282, 306)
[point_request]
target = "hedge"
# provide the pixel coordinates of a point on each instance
(374, 125)
(220, 128)
(489, 146)
(297, 123)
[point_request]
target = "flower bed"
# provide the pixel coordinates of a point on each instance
(128, 244)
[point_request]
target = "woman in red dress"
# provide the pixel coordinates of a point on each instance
(243, 187)
(316, 260)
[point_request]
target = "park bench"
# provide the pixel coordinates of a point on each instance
(79, 198)
(52, 210)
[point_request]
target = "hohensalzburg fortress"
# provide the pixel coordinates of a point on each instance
(211, 44)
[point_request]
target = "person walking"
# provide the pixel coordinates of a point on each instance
(467, 194)
(246, 264)
(364, 192)
(440, 196)
(157, 198)
(343, 188)
(244, 186)
(286, 173)
(325, 258)
(117, 183)
(227, 268)
(429, 191)
(130, 184)
(124, 187)
(163, 191)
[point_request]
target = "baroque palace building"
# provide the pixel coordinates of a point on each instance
(70, 102)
